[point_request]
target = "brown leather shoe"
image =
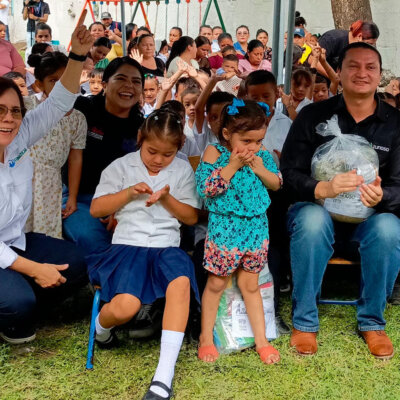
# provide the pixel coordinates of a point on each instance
(379, 344)
(304, 342)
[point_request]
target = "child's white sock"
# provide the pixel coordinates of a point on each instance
(102, 334)
(171, 342)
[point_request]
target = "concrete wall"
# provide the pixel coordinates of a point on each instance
(254, 13)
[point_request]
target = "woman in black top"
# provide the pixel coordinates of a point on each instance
(113, 121)
(145, 56)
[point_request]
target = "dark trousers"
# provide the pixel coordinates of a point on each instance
(19, 294)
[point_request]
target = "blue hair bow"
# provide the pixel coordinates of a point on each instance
(265, 107)
(233, 109)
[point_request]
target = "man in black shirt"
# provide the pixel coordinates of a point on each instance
(34, 13)
(311, 228)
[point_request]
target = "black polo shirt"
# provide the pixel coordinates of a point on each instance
(108, 138)
(381, 129)
(334, 41)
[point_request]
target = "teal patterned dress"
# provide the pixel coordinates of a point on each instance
(237, 223)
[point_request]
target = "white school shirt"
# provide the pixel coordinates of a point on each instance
(17, 170)
(305, 102)
(277, 132)
(143, 226)
(190, 147)
(204, 138)
(4, 12)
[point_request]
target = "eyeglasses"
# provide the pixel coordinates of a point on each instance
(16, 112)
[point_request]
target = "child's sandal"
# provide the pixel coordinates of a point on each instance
(207, 350)
(266, 351)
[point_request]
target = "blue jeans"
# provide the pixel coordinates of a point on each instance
(82, 229)
(19, 293)
(312, 236)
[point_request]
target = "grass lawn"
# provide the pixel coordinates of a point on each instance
(53, 366)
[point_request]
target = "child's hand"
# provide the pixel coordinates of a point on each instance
(111, 223)
(167, 84)
(84, 76)
(70, 208)
(158, 196)
(136, 56)
(238, 160)
(182, 65)
(322, 55)
(192, 71)
(257, 165)
(138, 189)
(286, 99)
(278, 153)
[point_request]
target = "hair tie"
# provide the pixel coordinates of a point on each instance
(233, 108)
(265, 107)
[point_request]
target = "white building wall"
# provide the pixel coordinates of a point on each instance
(254, 13)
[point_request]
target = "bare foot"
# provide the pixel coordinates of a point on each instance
(207, 350)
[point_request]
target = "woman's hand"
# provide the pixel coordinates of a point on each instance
(192, 71)
(70, 207)
(48, 275)
(182, 65)
(81, 39)
(372, 193)
(158, 196)
(136, 56)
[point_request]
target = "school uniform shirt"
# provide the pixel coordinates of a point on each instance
(276, 134)
(282, 109)
(143, 226)
(205, 137)
(215, 46)
(231, 85)
(108, 138)
(148, 108)
(17, 170)
(190, 147)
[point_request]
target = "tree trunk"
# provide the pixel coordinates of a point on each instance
(346, 12)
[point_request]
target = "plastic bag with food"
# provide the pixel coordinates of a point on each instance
(232, 330)
(344, 153)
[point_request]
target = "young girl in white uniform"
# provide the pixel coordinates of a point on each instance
(151, 192)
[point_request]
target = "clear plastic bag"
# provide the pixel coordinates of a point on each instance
(342, 154)
(232, 331)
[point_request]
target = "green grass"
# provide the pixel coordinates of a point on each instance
(53, 367)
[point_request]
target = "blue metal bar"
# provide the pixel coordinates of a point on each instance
(92, 330)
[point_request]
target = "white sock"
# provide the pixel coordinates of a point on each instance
(102, 334)
(171, 343)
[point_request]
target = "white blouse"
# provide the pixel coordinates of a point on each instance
(143, 226)
(17, 170)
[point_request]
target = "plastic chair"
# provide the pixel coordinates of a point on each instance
(92, 330)
(342, 261)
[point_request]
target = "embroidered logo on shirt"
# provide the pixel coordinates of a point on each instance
(13, 162)
(96, 133)
(376, 147)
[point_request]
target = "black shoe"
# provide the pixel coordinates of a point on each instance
(110, 342)
(395, 297)
(14, 335)
(281, 326)
(154, 396)
(147, 322)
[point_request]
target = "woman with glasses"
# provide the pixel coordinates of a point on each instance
(242, 36)
(33, 267)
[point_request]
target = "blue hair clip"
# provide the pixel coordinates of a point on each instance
(233, 109)
(265, 107)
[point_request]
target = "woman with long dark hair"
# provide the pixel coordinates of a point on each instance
(183, 49)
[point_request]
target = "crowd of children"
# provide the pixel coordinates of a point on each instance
(209, 101)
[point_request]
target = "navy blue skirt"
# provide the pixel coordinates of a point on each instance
(143, 272)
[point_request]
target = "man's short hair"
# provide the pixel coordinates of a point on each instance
(358, 45)
(42, 27)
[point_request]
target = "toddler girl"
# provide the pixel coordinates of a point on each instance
(65, 142)
(151, 192)
(233, 178)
